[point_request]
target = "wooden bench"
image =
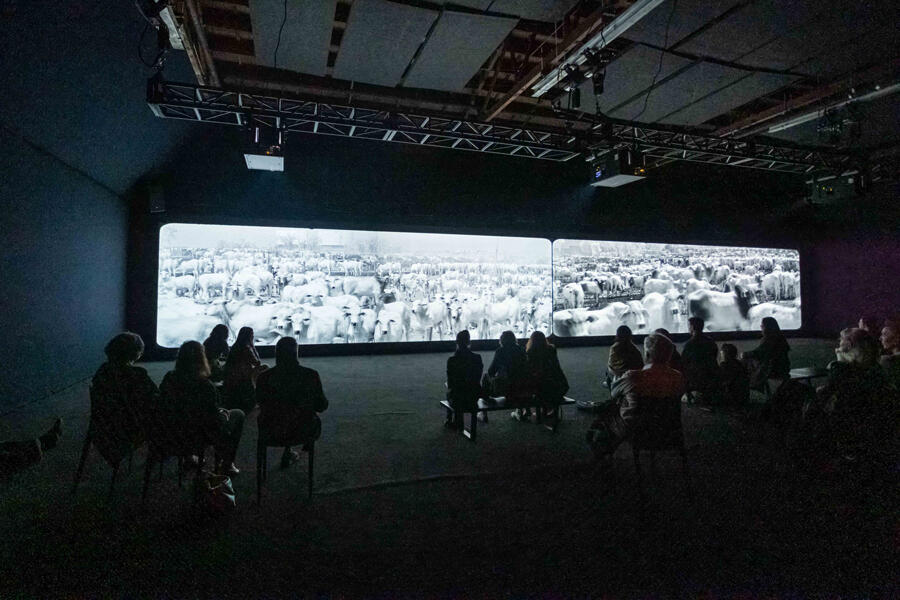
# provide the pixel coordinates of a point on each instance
(498, 403)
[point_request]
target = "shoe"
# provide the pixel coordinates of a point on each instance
(522, 417)
(232, 470)
(289, 458)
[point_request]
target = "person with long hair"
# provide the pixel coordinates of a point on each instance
(216, 346)
(546, 374)
(190, 403)
(675, 361)
(508, 370)
(122, 398)
(241, 369)
(290, 398)
(770, 359)
(623, 354)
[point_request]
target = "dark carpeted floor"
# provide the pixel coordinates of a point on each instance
(404, 507)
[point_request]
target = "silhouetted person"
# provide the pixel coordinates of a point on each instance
(17, 455)
(890, 342)
(123, 397)
(507, 374)
(675, 361)
(856, 403)
(216, 346)
(871, 325)
(770, 359)
(463, 379)
(733, 377)
(290, 396)
(546, 374)
(700, 361)
(656, 381)
(190, 403)
(623, 354)
(241, 369)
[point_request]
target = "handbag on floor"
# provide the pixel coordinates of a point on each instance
(215, 494)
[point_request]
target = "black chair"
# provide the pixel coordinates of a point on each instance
(658, 429)
(267, 441)
(178, 442)
(113, 430)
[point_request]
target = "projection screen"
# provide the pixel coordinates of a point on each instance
(599, 286)
(327, 286)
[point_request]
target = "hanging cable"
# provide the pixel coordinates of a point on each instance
(662, 53)
(280, 29)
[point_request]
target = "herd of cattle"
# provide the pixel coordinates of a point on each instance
(731, 290)
(321, 298)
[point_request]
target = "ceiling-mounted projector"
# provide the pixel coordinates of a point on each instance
(618, 167)
(264, 150)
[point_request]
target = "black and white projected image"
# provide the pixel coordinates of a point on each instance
(600, 285)
(327, 286)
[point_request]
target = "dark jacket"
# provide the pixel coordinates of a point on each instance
(699, 361)
(890, 363)
(772, 354)
(188, 407)
(216, 349)
(238, 388)
(464, 376)
(624, 357)
(547, 375)
(122, 399)
(735, 382)
(289, 397)
(509, 370)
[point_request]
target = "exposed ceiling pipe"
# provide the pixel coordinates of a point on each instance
(817, 114)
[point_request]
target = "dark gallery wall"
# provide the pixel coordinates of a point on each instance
(63, 271)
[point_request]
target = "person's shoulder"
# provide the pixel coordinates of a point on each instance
(308, 373)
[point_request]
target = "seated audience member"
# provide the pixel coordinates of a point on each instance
(190, 403)
(17, 455)
(241, 369)
(871, 325)
(216, 346)
(699, 359)
(733, 377)
(623, 354)
(545, 374)
(656, 381)
(122, 398)
(290, 396)
(856, 398)
(770, 359)
(506, 376)
(890, 361)
(675, 361)
(463, 380)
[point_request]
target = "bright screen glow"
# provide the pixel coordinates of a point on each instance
(598, 286)
(327, 286)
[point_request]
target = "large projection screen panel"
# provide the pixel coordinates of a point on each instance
(326, 286)
(598, 286)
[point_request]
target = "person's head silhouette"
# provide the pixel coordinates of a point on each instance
(286, 352)
(462, 339)
(507, 338)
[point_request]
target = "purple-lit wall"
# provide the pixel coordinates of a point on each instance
(850, 277)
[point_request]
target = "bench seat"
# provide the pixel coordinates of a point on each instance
(498, 403)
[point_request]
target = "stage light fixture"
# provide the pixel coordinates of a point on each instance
(573, 79)
(619, 167)
(264, 150)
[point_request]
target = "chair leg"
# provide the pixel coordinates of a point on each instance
(84, 454)
(312, 455)
(112, 481)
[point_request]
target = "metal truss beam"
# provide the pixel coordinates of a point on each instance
(666, 146)
(210, 105)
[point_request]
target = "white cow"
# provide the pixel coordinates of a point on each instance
(236, 314)
(606, 320)
(360, 323)
(212, 281)
(363, 287)
(664, 311)
(428, 316)
(788, 317)
(343, 301)
(504, 313)
(696, 284)
(722, 311)
(317, 324)
(660, 286)
(392, 323)
(183, 284)
(771, 285)
(572, 295)
(637, 317)
(311, 293)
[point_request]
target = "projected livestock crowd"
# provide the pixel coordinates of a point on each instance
(328, 286)
(599, 286)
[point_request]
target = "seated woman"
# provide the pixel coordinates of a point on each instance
(241, 369)
(190, 403)
(853, 406)
(507, 374)
(770, 359)
(656, 381)
(623, 355)
(545, 373)
(733, 377)
(122, 398)
(290, 396)
(675, 361)
(216, 346)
